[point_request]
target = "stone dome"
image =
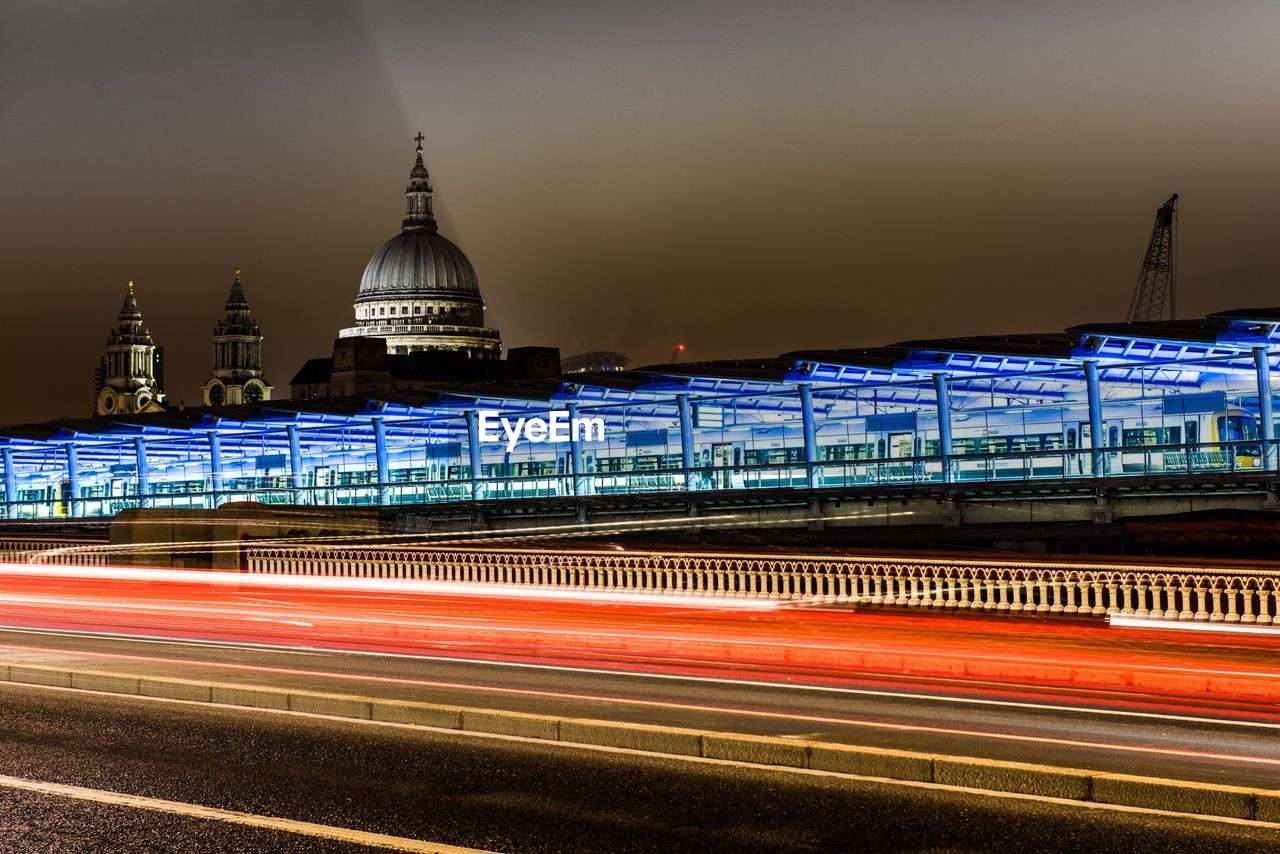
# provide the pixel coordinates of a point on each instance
(419, 291)
(418, 263)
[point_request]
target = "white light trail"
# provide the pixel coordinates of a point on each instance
(371, 585)
(1231, 628)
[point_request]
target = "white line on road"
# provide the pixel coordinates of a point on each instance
(304, 828)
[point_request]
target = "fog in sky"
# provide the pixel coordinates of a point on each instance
(745, 178)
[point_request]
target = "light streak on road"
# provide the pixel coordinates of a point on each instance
(1174, 673)
(362, 586)
(1122, 622)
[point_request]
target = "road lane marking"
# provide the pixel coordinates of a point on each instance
(303, 828)
(469, 686)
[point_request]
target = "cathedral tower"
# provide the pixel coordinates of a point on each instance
(237, 355)
(129, 377)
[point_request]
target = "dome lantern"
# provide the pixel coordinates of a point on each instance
(418, 213)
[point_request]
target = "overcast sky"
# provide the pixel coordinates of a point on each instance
(745, 178)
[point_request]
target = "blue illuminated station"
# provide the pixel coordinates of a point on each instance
(1097, 404)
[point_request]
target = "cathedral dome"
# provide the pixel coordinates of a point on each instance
(418, 263)
(419, 291)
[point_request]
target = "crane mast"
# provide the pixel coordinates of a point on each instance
(1155, 288)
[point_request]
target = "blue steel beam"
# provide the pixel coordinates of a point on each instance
(143, 473)
(215, 468)
(810, 435)
(10, 483)
(1095, 417)
(942, 394)
(380, 460)
(577, 470)
(474, 453)
(295, 464)
(1266, 423)
(73, 480)
(686, 440)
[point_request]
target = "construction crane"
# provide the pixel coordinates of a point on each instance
(1155, 287)
(676, 353)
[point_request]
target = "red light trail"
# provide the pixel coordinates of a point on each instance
(649, 633)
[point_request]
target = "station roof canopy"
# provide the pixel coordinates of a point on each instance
(1043, 345)
(759, 370)
(619, 380)
(1172, 352)
(1204, 331)
(1267, 315)
(875, 358)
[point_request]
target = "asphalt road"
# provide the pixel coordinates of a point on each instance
(1118, 731)
(489, 793)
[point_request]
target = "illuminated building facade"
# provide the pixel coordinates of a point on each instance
(1103, 403)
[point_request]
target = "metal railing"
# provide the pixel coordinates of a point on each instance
(1202, 594)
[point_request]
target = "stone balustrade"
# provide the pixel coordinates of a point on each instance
(1169, 593)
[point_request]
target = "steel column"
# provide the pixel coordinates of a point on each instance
(380, 460)
(1096, 442)
(810, 435)
(1267, 426)
(144, 473)
(473, 452)
(295, 464)
(686, 439)
(942, 392)
(577, 470)
(73, 480)
(11, 508)
(215, 469)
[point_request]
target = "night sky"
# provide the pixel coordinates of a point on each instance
(744, 178)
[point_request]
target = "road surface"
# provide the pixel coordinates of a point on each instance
(489, 793)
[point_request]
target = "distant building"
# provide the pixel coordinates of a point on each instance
(129, 378)
(599, 361)
(362, 366)
(237, 355)
(419, 291)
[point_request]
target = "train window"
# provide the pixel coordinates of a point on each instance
(1152, 436)
(1237, 428)
(997, 445)
(1071, 437)
(1113, 436)
(1193, 432)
